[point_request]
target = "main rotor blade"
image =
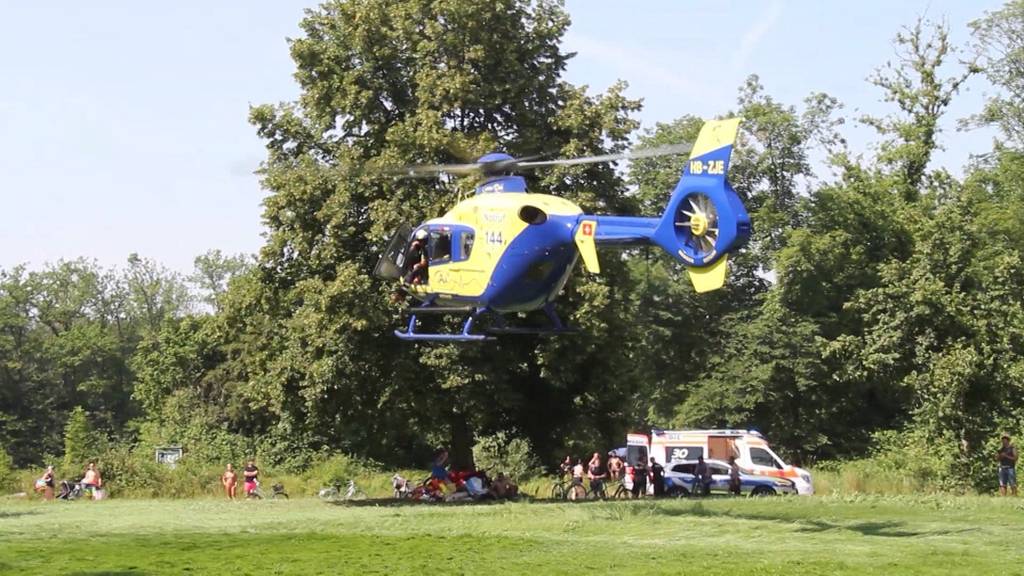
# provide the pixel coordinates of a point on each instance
(666, 150)
(430, 170)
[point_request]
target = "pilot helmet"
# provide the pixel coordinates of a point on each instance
(420, 234)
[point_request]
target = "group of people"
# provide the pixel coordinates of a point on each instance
(598, 473)
(453, 485)
(91, 483)
(642, 474)
(250, 474)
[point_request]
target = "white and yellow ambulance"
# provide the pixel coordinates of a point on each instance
(749, 447)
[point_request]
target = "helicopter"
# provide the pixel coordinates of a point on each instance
(504, 251)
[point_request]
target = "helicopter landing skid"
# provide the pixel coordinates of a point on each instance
(500, 328)
(466, 335)
(557, 326)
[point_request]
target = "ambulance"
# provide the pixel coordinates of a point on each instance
(748, 446)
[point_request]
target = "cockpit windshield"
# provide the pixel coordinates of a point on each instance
(391, 265)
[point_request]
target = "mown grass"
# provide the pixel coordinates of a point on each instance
(819, 535)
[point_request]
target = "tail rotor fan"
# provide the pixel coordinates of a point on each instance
(697, 226)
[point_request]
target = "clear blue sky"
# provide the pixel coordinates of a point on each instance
(124, 125)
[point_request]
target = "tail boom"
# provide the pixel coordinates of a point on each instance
(703, 222)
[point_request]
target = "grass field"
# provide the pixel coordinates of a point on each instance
(734, 537)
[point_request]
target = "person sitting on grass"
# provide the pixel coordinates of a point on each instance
(44, 484)
(503, 488)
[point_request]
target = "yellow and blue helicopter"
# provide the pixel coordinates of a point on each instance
(504, 250)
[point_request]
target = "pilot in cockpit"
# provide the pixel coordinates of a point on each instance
(416, 259)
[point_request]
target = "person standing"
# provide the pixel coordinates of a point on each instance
(1007, 457)
(658, 478)
(615, 466)
(734, 476)
(251, 473)
(565, 469)
(230, 481)
(597, 475)
(92, 481)
(703, 480)
(640, 479)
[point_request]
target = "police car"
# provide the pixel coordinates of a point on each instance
(680, 478)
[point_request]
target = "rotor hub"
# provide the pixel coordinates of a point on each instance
(698, 224)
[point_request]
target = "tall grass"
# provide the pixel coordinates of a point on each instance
(869, 476)
(198, 480)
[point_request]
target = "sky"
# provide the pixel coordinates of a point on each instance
(123, 125)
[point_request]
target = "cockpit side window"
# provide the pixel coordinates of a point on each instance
(465, 244)
(440, 245)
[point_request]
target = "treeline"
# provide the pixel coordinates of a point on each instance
(878, 310)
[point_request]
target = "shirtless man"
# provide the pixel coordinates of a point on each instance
(615, 467)
(230, 481)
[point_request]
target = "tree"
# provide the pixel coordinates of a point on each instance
(922, 95)
(81, 441)
(214, 271)
(772, 169)
(155, 292)
(1000, 42)
(389, 84)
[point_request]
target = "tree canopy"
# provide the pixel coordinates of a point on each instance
(879, 300)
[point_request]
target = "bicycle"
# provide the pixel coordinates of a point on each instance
(622, 493)
(560, 489)
(277, 492)
(333, 492)
(577, 491)
(598, 492)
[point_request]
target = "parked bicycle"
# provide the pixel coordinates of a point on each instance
(621, 492)
(560, 489)
(335, 492)
(277, 492)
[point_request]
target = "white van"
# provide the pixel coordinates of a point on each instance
(749, 447)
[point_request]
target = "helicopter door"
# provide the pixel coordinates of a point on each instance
(391, 265)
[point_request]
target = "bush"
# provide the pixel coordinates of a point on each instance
(903, 463)
(81, 443)
(8, 478)
(503, 452)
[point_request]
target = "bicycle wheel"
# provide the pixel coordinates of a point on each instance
(558, 491)
(577, 492)
(621, 493)
(328, 494)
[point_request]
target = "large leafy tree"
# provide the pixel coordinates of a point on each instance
(387, 84)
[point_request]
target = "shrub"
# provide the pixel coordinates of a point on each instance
(81, 443)
(905, 462)
(502, 452)
(8, 478)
